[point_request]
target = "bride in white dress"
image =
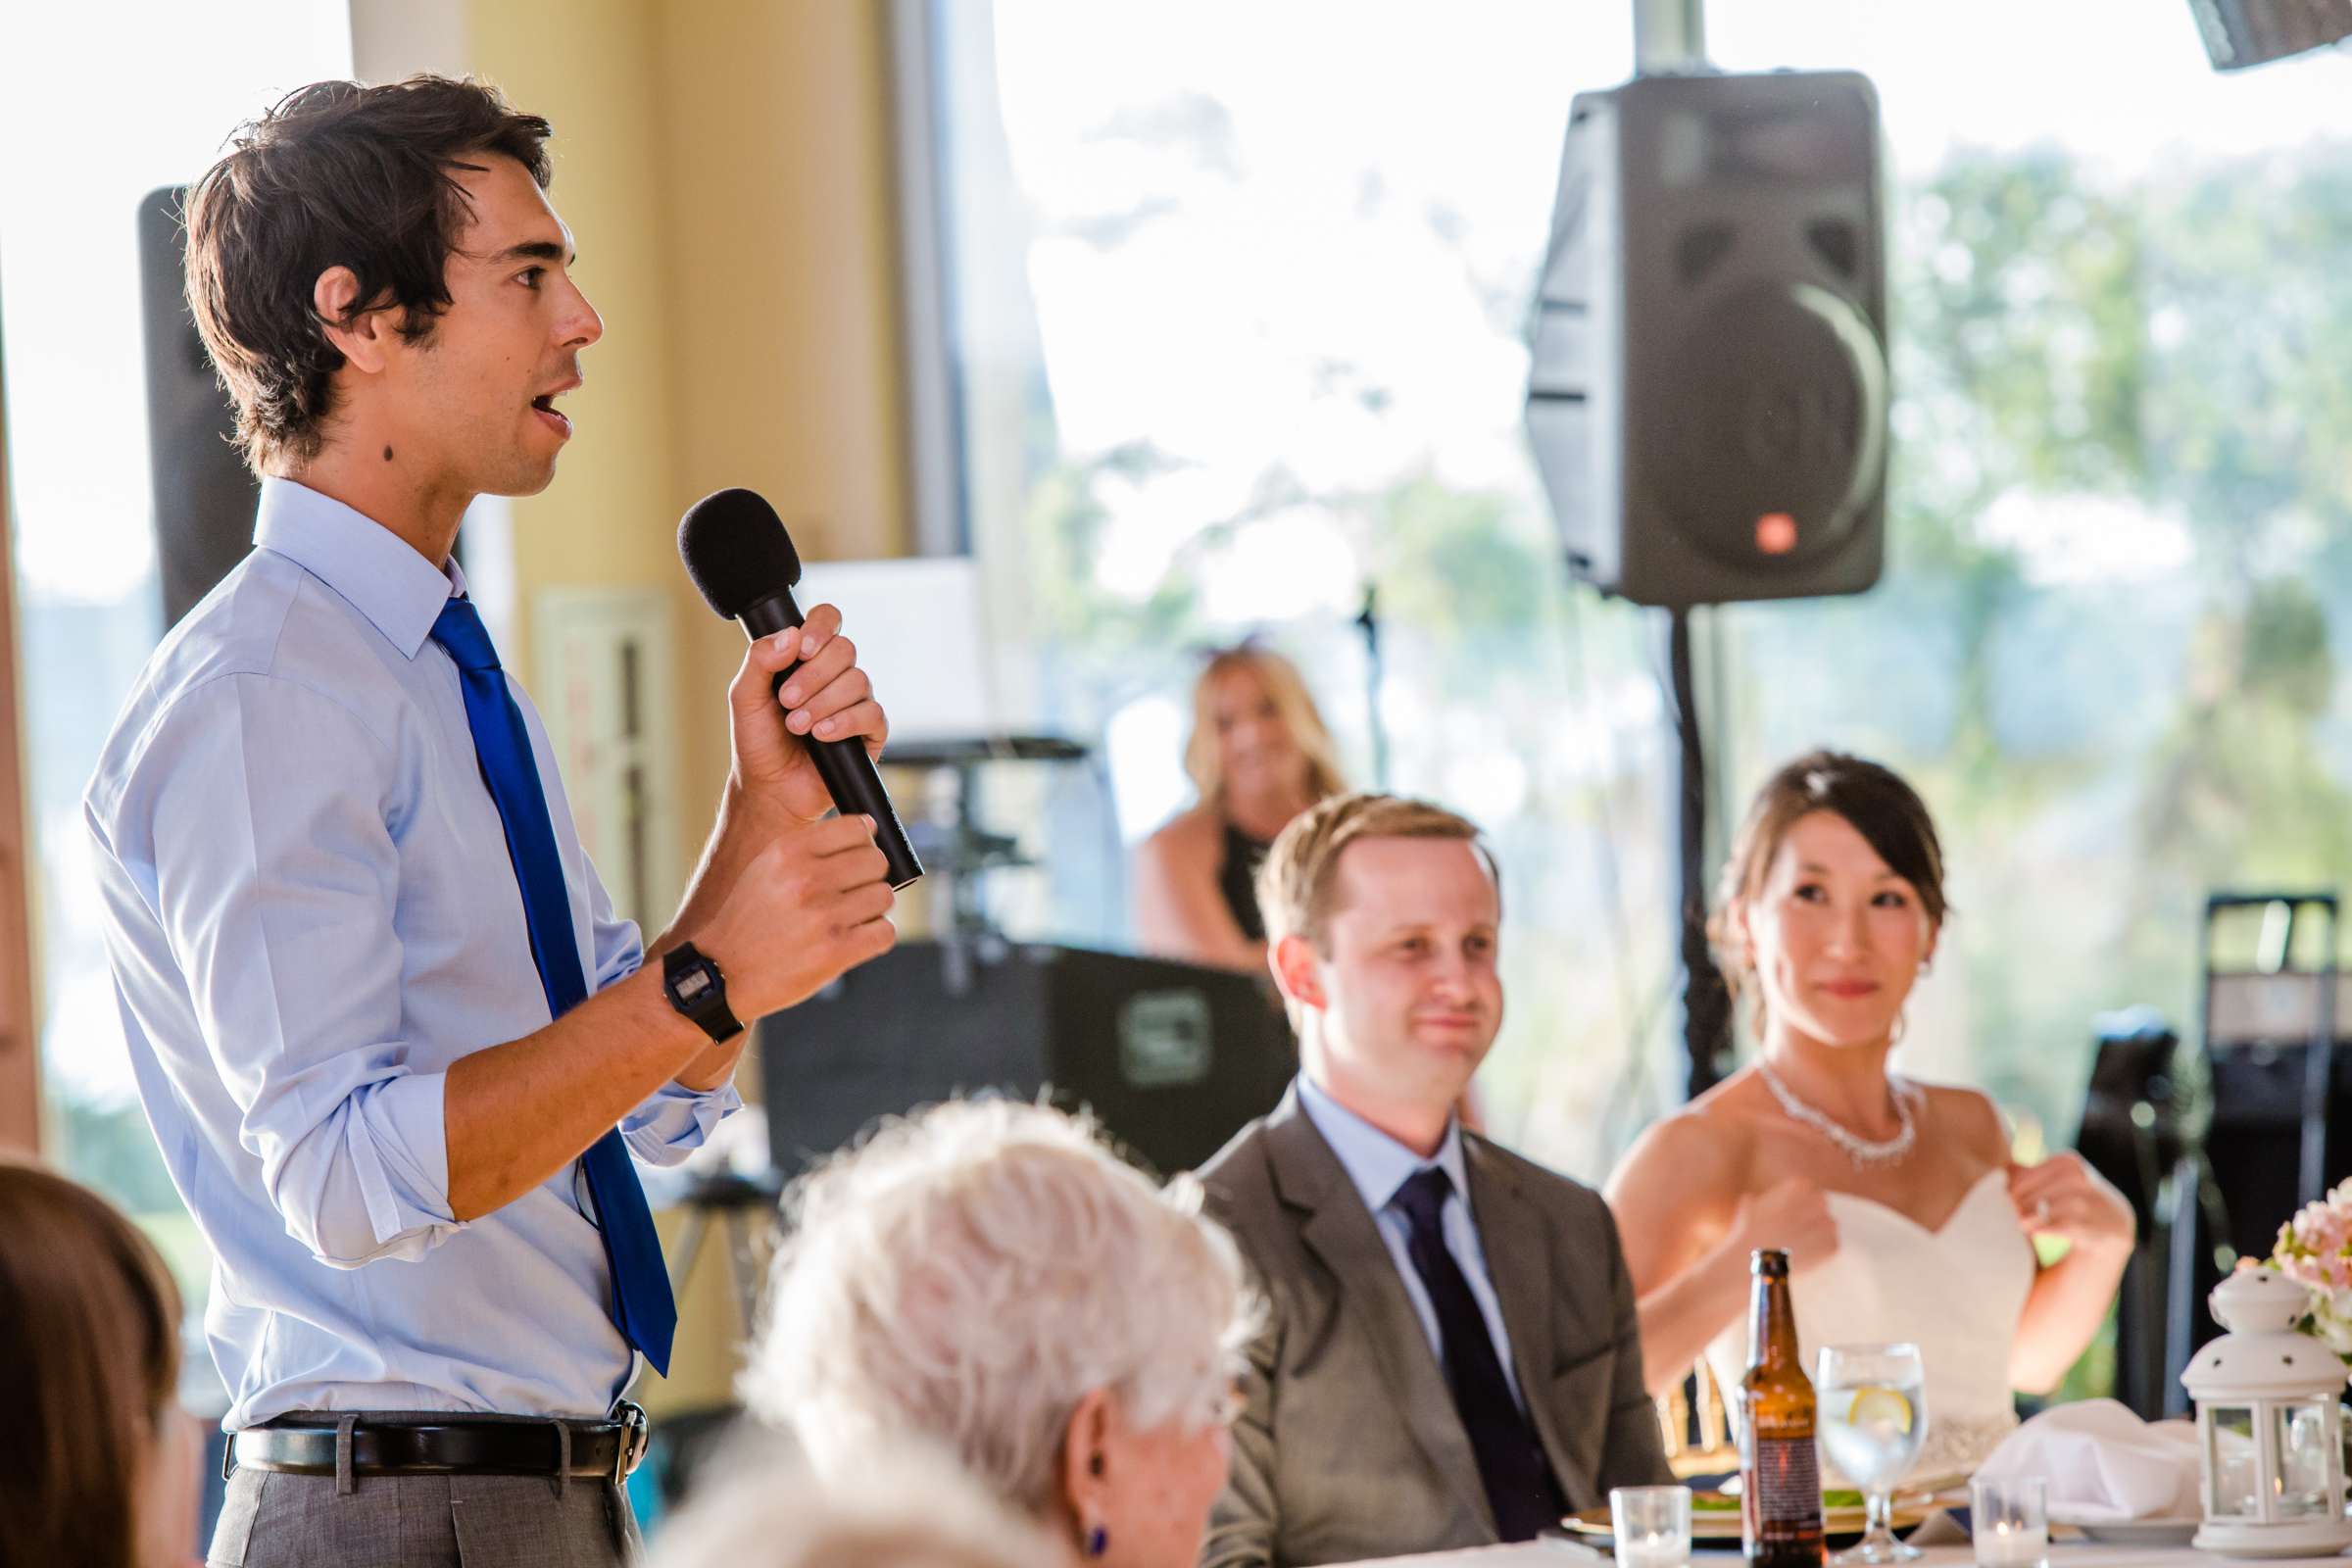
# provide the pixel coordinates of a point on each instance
(1902, 1211)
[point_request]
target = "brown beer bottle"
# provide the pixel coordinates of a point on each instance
(1779, 1473)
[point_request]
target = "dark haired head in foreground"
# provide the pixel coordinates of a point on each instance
(105, 1472)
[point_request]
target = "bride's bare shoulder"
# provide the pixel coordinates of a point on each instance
(1700, 1146)
(1957, 1113)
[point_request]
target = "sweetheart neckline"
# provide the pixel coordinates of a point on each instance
(1890, 1209)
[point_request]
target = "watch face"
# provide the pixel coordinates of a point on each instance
(697, 990)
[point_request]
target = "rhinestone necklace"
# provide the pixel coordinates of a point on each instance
(1863, 1152)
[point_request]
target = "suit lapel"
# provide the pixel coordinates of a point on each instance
(1510, 1230)
(1343, 1236)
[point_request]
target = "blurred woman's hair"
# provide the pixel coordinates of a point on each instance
(1203, 762)
(89, 1362)
(969, 1273)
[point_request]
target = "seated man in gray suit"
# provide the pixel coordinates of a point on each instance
(1450, 1356)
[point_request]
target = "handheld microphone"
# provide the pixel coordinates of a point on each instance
(743, 564)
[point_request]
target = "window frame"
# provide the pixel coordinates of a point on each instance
(19, 1037)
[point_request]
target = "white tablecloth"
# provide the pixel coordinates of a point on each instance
(2063, 1554)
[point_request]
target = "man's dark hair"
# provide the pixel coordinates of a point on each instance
(337, 175)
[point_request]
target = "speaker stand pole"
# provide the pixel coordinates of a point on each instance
(1670, 36)
(1707, 1000)
(1368, 624)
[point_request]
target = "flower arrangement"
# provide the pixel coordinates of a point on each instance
(2314, 1248)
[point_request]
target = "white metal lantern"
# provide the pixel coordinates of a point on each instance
(2270, 1427)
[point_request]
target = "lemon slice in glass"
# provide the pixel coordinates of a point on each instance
(1875, 1405)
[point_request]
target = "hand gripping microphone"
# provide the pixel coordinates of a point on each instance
(742, 561)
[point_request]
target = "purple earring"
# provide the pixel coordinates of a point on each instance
(1097, 1542)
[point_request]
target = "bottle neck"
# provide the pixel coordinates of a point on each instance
(1771, 1324)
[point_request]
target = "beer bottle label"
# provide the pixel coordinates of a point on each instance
(1780, 1499)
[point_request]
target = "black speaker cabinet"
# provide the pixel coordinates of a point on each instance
(204, 494)
(1707, 398)
(2134, 1135)
(2249, 1182)
(1171, 1059)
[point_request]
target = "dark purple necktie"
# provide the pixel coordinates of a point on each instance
(1510, 1460)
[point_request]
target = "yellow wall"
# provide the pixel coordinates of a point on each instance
(725, 167)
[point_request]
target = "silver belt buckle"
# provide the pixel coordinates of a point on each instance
(636, 1432)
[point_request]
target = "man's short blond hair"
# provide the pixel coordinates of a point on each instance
(1299, 882)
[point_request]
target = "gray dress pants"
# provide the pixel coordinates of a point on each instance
(274, 1520)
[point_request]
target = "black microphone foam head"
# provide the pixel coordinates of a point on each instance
(736, 551)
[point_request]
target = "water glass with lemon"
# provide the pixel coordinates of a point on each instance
(1872, 1419)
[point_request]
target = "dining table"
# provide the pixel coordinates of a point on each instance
(1554, 1552)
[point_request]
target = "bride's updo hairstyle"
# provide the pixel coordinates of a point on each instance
(1874, 800)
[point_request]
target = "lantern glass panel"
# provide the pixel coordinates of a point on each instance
(2303, 1439)
(2233, 1463)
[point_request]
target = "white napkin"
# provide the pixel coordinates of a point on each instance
(2103, 1463)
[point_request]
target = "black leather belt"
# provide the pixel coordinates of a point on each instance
(305, 1446)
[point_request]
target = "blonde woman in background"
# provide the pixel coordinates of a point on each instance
(988, 1278)
(1257, 757)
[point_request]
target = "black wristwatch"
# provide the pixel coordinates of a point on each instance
(699, 991)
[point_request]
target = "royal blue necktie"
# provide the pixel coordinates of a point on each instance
(641, 1300)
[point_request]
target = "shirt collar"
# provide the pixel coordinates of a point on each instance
(376, 570)
(1377, 1163)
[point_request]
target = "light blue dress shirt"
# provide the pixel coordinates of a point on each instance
(309, 914)
(1379, 1165)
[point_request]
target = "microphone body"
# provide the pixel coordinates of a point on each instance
(847, 771)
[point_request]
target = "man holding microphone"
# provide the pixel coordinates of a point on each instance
(394, 1043)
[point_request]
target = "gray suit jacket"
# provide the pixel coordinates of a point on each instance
(1350, 1445)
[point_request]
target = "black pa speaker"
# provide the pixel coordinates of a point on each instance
(1171, 1059)
(2135, 1132)
(1707, 398)
(204, 494)
(2239, 33)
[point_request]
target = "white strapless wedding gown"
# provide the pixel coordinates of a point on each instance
(1955, 1293)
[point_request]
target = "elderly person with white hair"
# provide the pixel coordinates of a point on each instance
(988, 1276)
(902, 1509)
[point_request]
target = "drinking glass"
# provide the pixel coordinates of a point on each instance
(1872, 1414)
(2009, 1520)
(1650, 1526)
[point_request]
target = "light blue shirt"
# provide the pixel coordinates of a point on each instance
(1379, 1165)
(309, 912)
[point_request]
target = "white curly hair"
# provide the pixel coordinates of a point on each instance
(968, 1273)
(909, 1509)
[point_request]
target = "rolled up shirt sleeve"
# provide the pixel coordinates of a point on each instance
(676, 1120)
(276, 878)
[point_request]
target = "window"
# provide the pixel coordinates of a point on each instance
(2109, 640)
(98, 121)
(1236, 298)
